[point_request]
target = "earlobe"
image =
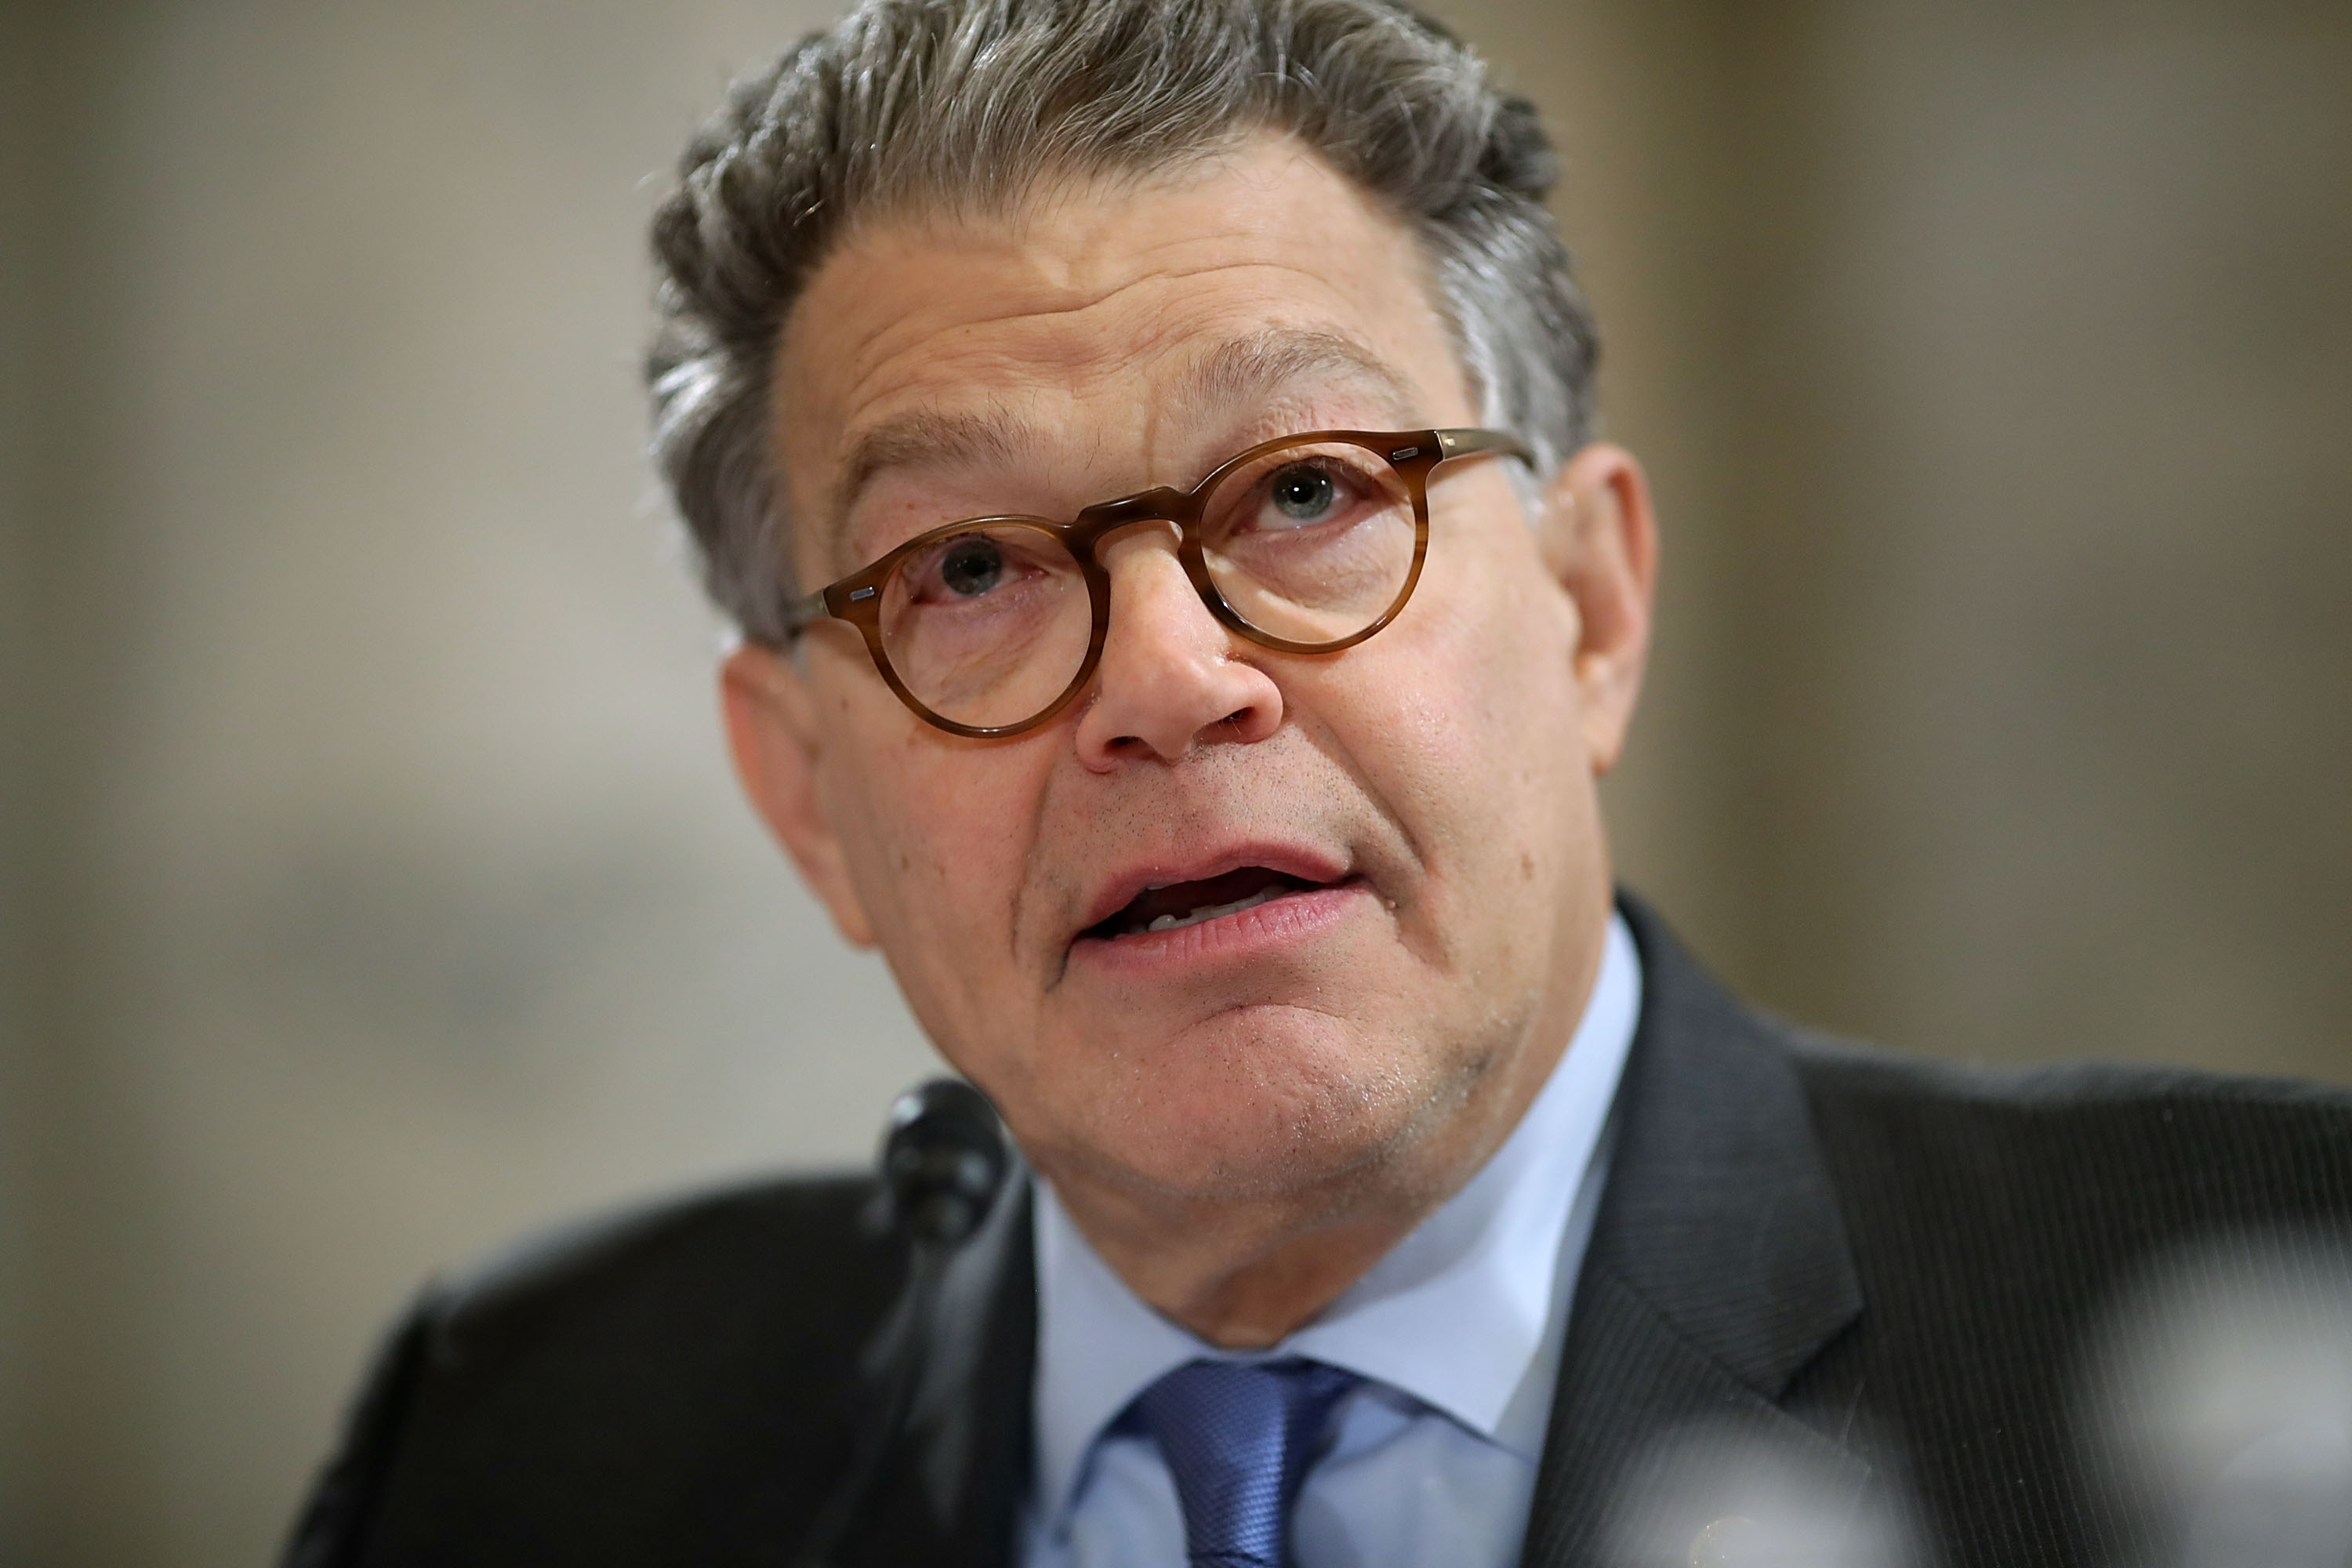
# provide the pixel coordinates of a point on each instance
(1600, 542)
(773, 735)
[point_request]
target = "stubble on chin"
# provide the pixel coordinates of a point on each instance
(1333, 1130)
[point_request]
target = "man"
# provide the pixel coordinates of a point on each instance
(1147, 446)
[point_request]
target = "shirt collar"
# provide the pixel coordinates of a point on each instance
(1455, 1315)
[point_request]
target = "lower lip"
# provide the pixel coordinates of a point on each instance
(1261, 930)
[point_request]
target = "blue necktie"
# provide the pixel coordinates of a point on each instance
(1237, 1438)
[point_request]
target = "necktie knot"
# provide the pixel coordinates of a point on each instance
(1237, 1438)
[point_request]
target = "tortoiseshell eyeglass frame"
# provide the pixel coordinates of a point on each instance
(1414, 455)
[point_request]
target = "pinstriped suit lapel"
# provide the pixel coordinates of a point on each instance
(1718, 1268)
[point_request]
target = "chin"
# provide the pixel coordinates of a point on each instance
(1254, 1107)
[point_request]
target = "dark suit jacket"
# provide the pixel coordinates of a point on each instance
(1882, 1267)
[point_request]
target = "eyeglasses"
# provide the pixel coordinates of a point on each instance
(1307, 544)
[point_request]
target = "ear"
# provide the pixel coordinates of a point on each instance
(1600, 542)
(772, 732)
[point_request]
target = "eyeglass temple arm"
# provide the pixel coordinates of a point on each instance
(802, 612)
(1463, 443)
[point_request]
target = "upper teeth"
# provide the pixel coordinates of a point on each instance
(1211, 912)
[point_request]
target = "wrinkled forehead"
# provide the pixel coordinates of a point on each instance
(1285, 374)
(1103, 338)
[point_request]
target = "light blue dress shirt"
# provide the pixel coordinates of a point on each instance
(1457, 1332)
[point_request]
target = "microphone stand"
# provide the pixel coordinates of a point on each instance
(944, 1161)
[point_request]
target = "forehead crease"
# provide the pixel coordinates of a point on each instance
(949, 436)
(1266, 363)
(1255, 368)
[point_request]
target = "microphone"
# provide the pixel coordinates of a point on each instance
(944, 1161)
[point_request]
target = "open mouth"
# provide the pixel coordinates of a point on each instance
(1181, 904)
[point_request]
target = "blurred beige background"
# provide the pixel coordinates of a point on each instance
(370, 885)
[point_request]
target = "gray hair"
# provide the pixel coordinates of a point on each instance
(967, 105)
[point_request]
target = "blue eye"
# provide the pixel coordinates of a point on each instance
(1304, 494)
(970, 567)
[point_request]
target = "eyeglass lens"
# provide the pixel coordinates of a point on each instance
(1308, 544)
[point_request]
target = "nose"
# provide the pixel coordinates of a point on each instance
(1168, 680)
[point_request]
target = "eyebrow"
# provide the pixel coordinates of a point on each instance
(1269, 362)
(924, 436)
(1260, 367)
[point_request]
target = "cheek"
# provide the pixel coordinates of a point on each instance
(1465, 723)
(934, 839)
(1476, 678)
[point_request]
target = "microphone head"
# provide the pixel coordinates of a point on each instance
(943, 1160)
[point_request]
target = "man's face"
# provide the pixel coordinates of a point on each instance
(1415, 816)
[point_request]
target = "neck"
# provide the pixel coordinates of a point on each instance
(1245, 1273)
